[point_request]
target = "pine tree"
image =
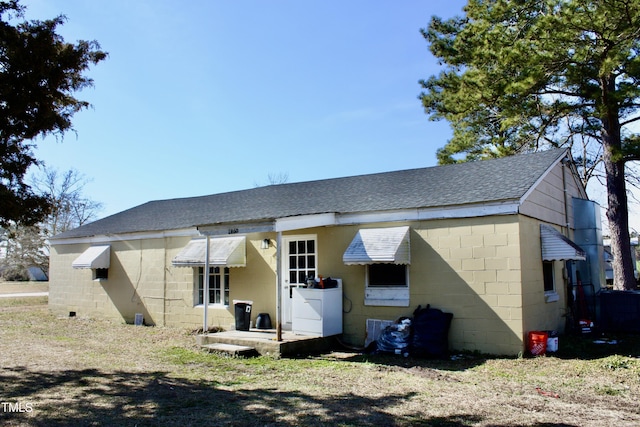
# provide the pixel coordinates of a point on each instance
(526, 75)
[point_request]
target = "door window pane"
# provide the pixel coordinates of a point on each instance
(302, 277)
(302, 260)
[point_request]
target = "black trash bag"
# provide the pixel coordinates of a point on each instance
(430, 332)
(395, 338)
(330, 283)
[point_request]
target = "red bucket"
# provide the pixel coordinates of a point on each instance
(537, 343)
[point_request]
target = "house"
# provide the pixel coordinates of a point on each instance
(489, 241)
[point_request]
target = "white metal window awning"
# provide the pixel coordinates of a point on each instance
(379, 245)
(223, 251)
(557, 247)
(94, 257)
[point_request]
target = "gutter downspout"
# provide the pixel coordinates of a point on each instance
(205, 289)
(566, 202)
(164, 285)
(567, 270)
(278, 288)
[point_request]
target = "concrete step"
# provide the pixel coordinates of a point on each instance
(232, 349)
(265, 343)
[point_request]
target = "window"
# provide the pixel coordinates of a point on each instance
(547, 271)
(387, 285)
(100, 273)
(386, 254)
(218, 286)
(387, 275)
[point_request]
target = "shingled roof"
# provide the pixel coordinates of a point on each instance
(481, 182)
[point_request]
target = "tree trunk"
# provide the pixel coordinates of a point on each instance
(617, 211)
(617, 214)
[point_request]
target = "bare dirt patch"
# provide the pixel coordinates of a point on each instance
(79, 371)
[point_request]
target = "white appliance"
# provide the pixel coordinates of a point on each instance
(317, 311)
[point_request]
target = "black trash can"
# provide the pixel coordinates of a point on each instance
(243, 314)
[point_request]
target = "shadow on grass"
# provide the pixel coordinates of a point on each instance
(92, 397)
(457, 362)
(585, 347)
(598, 345)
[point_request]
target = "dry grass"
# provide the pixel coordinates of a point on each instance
(75, 371)
(18, 287)
(23, 287)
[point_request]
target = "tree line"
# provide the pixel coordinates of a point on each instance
(25, 247)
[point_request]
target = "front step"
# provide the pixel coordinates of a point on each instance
(231, 349)
(265, 343)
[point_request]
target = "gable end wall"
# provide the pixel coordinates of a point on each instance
(547, 201)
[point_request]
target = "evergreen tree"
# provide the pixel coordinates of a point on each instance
(39, 74)
(524, 75)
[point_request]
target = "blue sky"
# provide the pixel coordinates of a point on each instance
(202, 97)
(208, 96)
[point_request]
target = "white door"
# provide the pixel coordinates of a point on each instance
(299, 262)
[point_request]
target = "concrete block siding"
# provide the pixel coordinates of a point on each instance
(479, 269)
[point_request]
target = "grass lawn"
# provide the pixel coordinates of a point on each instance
(77, 371)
